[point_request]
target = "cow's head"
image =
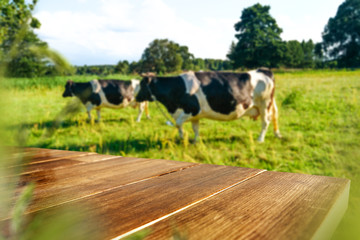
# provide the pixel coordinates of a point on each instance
(68, 91)
(144, 93)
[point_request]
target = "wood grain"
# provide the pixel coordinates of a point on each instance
(122, 195)
(35, 166)
(60, 185)
(44, 156)
(38, 155)
(93, 157)
(270, 206)
(122, 209)
(9, 175)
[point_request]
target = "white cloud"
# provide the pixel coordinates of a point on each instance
(122, 30)
(106, 31)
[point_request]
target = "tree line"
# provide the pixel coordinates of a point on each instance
(126, 67)
(258, 44)
(296, 55)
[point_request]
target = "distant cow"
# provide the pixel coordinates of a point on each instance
(106, 93)
(215, 95)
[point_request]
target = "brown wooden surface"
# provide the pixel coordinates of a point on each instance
(62, 185)
(126, 194)
(39, 155)
(140, 203)
(287, 206)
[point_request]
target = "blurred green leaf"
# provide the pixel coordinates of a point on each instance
(60, 63)
(21, 205)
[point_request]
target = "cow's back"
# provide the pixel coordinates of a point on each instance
(116, 91)
(224, 91)
(172, 92)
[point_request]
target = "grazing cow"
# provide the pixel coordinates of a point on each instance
(106, 93)
(215, 95)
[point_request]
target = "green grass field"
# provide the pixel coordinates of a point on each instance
(319, 116)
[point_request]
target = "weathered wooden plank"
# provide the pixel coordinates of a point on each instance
(36, 166)
(272, 205)
(125, 195)
(46, 166)
(15, 155)
(45, 156)
(93, 157)
(122, 209)
(60, 185)
(38, 155)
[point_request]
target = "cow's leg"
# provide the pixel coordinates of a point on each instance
(141, 110)
(275, 119)
(181, 132)
(264, 120)
(89, 107)
(147, 109)
(98, 114)
(195, 127)
(89, 115)
(179, 122)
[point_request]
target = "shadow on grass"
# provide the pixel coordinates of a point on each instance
(225, 139)
(146, 143)
(64, 124)
(244, 140)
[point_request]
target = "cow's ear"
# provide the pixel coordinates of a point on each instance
(69, 82)
(147, 79)
(148, 76)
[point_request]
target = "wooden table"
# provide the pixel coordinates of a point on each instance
(126, 195)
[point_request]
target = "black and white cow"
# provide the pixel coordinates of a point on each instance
(215, 95)
(106, 93)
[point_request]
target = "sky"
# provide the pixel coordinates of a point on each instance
(95, 32)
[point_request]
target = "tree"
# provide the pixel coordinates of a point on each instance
(14, 17)
(319, 59)
(309, 54)
(22, 53)
(135, 67)
(299, 55)
(231, 54)
(26, 63)
(187, 57)
(341, 36)
(294, 55)
(199, 64)
(122, 67)
(259, 42)
(163, 56)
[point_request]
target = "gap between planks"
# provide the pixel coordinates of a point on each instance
(184, 208)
